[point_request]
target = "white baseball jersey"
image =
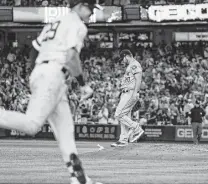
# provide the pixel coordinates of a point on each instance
(58, 37)
(128, 80)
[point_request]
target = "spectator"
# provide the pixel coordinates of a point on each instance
(174, 113)
(84, 114)
(196, 117)
(187, 108)
(103, 115)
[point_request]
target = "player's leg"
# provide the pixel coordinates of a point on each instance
(124, 108)
(123, 139)
(131, 130)
(122, 114)
(134, 133)
(62, 124)
(124, 133)
(125, 117)
(46, 84)
(128, 133)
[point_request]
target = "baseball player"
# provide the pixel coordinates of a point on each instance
(130, 85)
(57, 50)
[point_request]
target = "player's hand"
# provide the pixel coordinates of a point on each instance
(86, 92)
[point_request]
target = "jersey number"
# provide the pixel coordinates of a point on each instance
(127, 79)
(51, 31)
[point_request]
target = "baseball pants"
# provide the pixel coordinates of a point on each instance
(48, 102)
(123, 114)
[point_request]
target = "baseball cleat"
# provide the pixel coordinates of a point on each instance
(123, 144)
(119, 144)
(136, 134)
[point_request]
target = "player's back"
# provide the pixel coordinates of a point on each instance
(59, 36)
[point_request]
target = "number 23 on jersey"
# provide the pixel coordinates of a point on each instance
(50, 31)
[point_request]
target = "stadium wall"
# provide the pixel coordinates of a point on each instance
(111, 132)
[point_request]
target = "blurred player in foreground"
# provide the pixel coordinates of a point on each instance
(131, 131)
(57, 50)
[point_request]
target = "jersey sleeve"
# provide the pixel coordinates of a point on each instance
(135, 69)
(36, 44)
(75, 36)
(80, 41)
(38, 41)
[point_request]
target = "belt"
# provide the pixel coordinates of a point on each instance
(126, 90)
(64, 70)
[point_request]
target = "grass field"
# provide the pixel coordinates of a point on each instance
(36, 161)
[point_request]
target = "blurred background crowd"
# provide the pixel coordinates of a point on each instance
(107, 2)
(174, 76)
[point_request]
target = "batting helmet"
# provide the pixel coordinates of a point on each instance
(92, 3)
(124, 53)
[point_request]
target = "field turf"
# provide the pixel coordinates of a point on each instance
(37, 161)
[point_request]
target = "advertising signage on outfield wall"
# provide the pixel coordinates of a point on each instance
(105, 39)
(178, 12)
(159, 133)
(48, 14)
(103, 132)
(135, 36)
(191, 36)
(99, 132)
(112, 132)
(158, 13)
(185, 133)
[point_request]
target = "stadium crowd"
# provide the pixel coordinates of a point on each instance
(14, 74)
(174, 76)
(107, 2)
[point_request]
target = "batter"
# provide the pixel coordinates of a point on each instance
(57, 49)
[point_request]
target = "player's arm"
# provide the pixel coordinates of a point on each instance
(138, 78)
(32, 56)
(36, 44)
(75, 66)
(137, 72)
(203, 112)
(189, 117)
(74, 36)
